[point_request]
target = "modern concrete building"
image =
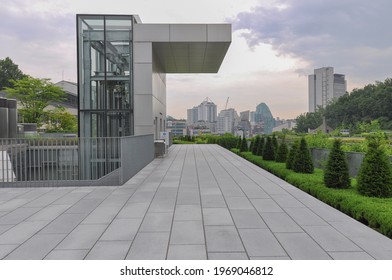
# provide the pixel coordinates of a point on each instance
(122, 67)
(227, 120)
(324, 86)
(264, 119)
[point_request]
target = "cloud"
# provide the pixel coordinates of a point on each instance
(351, 35)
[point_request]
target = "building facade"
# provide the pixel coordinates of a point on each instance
(324, 86)
(226, 121)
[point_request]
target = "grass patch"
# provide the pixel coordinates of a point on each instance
(374, 212)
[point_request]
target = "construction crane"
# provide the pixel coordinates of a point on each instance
(227, 102)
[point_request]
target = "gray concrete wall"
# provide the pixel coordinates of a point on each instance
(354, 160)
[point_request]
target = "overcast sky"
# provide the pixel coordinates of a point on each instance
(276, 44)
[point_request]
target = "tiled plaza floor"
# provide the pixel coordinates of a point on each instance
(199, 202)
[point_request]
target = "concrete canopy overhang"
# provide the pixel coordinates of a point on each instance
(186, 48)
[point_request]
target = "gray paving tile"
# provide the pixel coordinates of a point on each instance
(305, 217)
(299, 246)
(65, 223)
(254, 191)
(213, 200)
(163, 204)
(133, 210)
(149, 246)
(109, 250)
(21, 232)
(70, 198)
(330, 214)
(280, 222)
(261, 242)
(13, 204)
(84, 206)
(223, 239)
(67, 255)
(270, 258)
(188, 196)
(82, 237)
(48, 198)
(49, 213)
(217, 217)
(36, 248)
(18, 215)
(6, 249)
(266, 205)
(187, 252)
(286, 200)
(330, 239)
(210, 190)
(227, 256)
(122, 230)
(188, 213)
(142, 196)
(350, 256)
(247, 218)
(187, 232)
(157, 222)
(241, 202)
(4, 228)
(102, 215)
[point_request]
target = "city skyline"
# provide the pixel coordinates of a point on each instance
(275, 45)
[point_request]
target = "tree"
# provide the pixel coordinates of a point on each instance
(281, 155)
(375, 177)
(336, 174)
(34, 96)
(244, 145)
(239, 143)
(303, 161)
(260, 147)
(59, 120)
(292, 155)
(9, 71)
(275, 143)
(256, 145)
(269, 150)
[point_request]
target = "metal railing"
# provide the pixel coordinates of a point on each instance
(72, 161)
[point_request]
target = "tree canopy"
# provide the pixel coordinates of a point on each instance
(9, 71)
(34, 95)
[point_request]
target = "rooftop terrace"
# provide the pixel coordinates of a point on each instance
(199, 202)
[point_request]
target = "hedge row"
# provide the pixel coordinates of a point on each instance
(374, 212)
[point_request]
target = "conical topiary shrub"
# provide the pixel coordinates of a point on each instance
(336, 172)
(269, 150)
(303, 161)
(239, 142)
(292, 155)
(275, 143)
(281, 155)
(252, 142)
(256, 145)
(374, 177)
(244, 145)
(260, 147)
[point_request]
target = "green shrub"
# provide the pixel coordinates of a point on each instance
(269, 150)
(303, 161)
(336, 173)
(239, 143)
(292, 155)
(260, 147)
(244, 145)
(275, 143)
(252, 142)
(281, 155)
(256, 145)
(375, 177)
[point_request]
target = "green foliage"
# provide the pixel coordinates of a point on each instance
(292, 155)
(256, 145)
(269, 150)
(282, 153)
(239, 142)
(375, 175)
(275, 143)
(303, 161)
(310, 120)
(336, 174)
(252, 142)
(34, 96)
(59, 120)
(9, 71)
(375, 212)
(244, 145)
(260, 147)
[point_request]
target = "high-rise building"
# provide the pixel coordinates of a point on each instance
(226, 121)
(264, 118)
(324, 86)
(206, 111)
